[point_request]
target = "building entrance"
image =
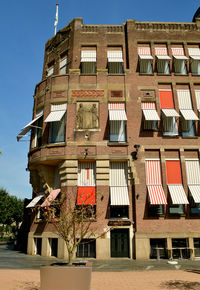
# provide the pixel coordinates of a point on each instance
(120, 243)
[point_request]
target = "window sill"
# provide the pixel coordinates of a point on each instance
(90, 130)
(171, 136)
(55, 144)
(162, 74)
(190, 137)
(177, 74)
(88, 74)
(123, 144)
(146, 74)
(116, 74)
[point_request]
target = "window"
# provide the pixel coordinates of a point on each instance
(119, 212)
(193, 181)
(155, 190)
(86, 194)
(38, 246)
(88, 61)
(117, 122)
(179, 61)
(194, 54)
(38, 131)
(57, 118)
(187, 114)
(33, 124)
(197, 95)
(119, 197)
(158, 248)
(180, 248)
(115, 62)
(175, 187)
(150, 116)
(197, 247)
(53, 247)
(50, 70)
(63, 65)
(169, 115)
(86, 249)
(145, 60)
(162, 60)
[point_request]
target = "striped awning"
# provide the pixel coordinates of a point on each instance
(195, 192)
(181, 57)
(149, 111)
(144, 51)
(170, 113)
(145, 56)
(119, 195)
(189, 115)
(88, 55)
(160, 51)
(194, 52)
(156, 194)
(117, 112)
(184, 99)
(114, 56)
(51, 197)
(27, 128)
(34, 201)
(177, 194)
(154, 182)
(177, 51)
(165, 57)
(57, 112)
(197, 95)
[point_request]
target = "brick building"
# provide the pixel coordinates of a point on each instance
(117, 111)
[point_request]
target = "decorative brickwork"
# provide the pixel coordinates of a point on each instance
(88, 94)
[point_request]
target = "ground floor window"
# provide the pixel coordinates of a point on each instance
(86, 249)
(53, 247)
(120, 243)
(180, 249)
(158, 248)
(197, 247)
(38, 246)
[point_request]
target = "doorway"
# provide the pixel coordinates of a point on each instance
(120, 243)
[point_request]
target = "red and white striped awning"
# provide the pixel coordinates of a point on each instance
(51, 197)
(156, 194)
(177, 51)
(144, 53)
(161, 53)
(149, 111)
(117, 112)
(119, 195)
(177, 194)
(154, 182)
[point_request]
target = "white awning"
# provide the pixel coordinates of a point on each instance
(35, 201)
(29, 125)
(114, 56)
(170, 113)
(151, 115)
(119, 195)
(145, 57)
(57, 112)
(195, 192)
(189, 115)
(117, 115)
(177, 194)
(163, 57)
(196, 57)
(180, 57)
(88, 56)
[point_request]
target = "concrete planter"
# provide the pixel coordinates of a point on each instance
(65, 278)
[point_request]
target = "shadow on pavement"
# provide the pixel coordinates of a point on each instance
(179, 284)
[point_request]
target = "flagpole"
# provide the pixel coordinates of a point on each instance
(56, 19)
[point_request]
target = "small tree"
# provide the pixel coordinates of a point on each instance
(72, 223)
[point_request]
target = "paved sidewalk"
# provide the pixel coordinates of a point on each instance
(132, 280)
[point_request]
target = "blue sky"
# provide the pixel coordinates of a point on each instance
(25, 27)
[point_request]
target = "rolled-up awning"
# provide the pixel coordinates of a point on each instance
(35, 200)
(177, 194)
(170, 113)
(27, 128)
(51, 197)
(189, 115)
(57, 112)
(119, 195)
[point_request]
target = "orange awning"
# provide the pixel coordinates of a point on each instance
(86, 195)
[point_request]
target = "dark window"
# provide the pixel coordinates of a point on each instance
(38, 132)
(115, 68)
(57, 131)
(188, 128)
(177, 209)
(118, 212)
(38, 246)
(180, 248)
(53, 242)
(86, 249)
(197, 247)
(155, 210)
(158, 248)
